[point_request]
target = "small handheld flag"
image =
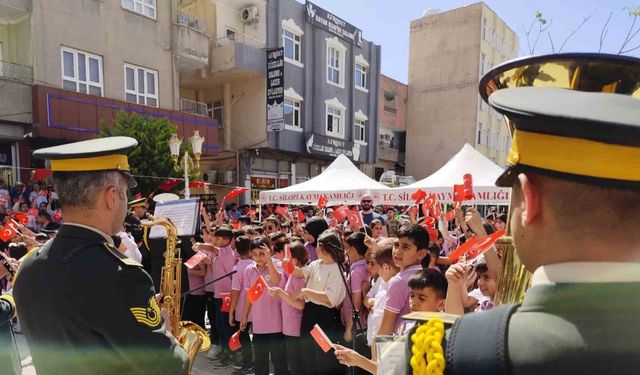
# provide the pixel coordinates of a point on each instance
(321, 338)
(257, 289)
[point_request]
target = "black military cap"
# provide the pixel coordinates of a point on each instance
(100, 154)
(572, 116)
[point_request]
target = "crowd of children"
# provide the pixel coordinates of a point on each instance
(354, 283)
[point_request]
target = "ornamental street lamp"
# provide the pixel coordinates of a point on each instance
(187, 164)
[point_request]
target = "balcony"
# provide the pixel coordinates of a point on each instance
(238, 52)
(192, 43)
(386, 152)
(195, 108)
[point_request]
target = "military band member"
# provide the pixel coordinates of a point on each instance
(85, 307)
(573, 170)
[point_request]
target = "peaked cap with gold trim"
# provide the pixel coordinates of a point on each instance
(100, 154)
(573, 116)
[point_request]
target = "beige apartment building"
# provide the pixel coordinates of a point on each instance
(449, 53)
(393, 126)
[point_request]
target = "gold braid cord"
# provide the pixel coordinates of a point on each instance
(427, 353)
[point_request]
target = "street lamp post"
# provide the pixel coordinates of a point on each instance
(187, 164)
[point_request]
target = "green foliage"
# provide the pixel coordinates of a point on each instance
(541, 20)
(633, 12)
(152, 156)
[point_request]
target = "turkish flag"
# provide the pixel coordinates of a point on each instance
(33, 212)
(300, 216)
(433, 234)
(43, 193)
(226, 302)
(251, 213)
(236, 225)
(418, 196)
(20, 217)
(340, 213)
(57, 216)
(282, 211)
(40, 174)
(195, 260)
(321, 338)
(8, 231)
(475, 246)
(197, 184)
(322, 202)
(256, 290)
(468, 187)
(234, 341)
(289, 267)
(235, 192)
(430, 221)
(138, 196)
(355, 219)
(458, 193)
(450, 215)
(169, 184)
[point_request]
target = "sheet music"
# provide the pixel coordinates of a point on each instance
(183, 214)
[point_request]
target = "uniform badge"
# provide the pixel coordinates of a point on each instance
(148, 316)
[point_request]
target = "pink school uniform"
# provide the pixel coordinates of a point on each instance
(236, 284)
(266, 312)
(357, 275)
(195, 282)
(291, 317)
(397, 298)
(223, 263)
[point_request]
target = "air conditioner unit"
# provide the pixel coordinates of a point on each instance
(249, 14)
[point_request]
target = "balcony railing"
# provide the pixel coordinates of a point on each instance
(16, 72)
(197, 24)
(238, 38)
(193, 107)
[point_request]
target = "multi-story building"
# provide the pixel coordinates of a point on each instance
(449, 52)
(392, 114)
(71, 65)
(330, 91)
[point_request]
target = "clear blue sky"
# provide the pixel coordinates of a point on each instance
(387, 23)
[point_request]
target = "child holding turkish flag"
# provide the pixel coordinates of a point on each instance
(265, 310)
(324, 292)
(238, 299)
(292, 308)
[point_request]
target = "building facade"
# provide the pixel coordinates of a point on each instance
(392, 114)
(73, 65)
(330, 89)
(449, 53)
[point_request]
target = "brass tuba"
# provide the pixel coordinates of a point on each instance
(189, 335)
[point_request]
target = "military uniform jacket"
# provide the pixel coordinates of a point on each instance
(566, 328)
(87, 309)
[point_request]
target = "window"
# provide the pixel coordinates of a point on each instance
(292, 43)
(145, 7)
(215, 110)
(479, 135)
(231, 34)
(335, 62)
(359, 130)
(484, 28)
(334, 121)
(482, 63)
(141, 85)
(292, 113)
(81, 72)
(361, 76)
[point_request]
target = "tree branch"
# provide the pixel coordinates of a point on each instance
(576, 30)
(603, 33)
(626, 39)
(631, 50)
(553, 49)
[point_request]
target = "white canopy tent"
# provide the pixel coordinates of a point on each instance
(467, 160)
(341, 182)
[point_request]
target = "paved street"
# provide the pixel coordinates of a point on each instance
(201, 367)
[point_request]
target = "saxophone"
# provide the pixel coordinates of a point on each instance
(189, 335)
